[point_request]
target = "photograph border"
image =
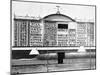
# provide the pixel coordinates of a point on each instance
(52, 46)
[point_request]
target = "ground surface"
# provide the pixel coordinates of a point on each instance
(35, 65)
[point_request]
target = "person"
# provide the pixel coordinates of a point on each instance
(61, 56)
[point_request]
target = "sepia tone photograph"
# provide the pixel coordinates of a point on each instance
(52, 37)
